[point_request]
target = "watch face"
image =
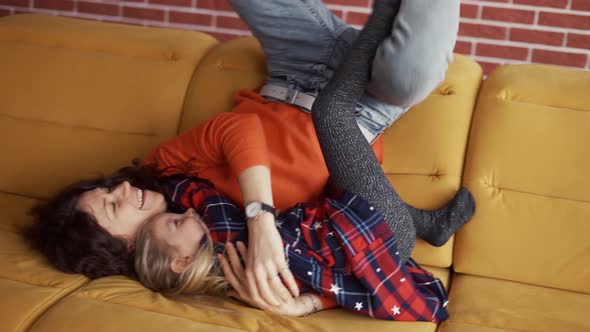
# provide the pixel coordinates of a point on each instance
(253, 209)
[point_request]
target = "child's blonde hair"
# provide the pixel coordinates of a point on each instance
(153, 258)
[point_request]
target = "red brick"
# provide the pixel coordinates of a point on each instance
(578, 40)
(469, 11)
(98, 8)
(357, 18)
(543, 3)
(231, 23)
(482, 31)
(501, 51)
(581, 5)
(537, 36)
(488, 67)
(4, 12)
(20, 3)
(560, 58)
(185, 3)
(190, 18)
(565, 20)
(508, 15)
(143, 13)
(55, 4)
(223, 36)
(215, 4)
(499, 1)
(360, 3)
(338, 13)
(463, 47)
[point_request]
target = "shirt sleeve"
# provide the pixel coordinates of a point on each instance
(224, 219)
(234, 139)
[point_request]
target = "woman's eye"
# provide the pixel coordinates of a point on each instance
(114, 208)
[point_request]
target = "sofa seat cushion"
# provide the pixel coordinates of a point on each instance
(28, 285)
(120, 304)
(480, 304)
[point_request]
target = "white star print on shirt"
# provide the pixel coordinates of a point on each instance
(317, 225)
(358, 306)
(395, 310)
(334, 289)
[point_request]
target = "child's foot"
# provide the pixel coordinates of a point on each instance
(437, 226)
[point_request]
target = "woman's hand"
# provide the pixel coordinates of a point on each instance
(236, 275)
(266, 263)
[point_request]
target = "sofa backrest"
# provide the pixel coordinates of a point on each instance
(424, 150)
(81, 98)
(527, 165)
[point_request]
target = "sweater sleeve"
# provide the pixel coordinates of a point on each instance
(234, 139)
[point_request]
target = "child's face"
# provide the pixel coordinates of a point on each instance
(183, 232)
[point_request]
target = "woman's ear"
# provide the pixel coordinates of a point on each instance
(179, 265)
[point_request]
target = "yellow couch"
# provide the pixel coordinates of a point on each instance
(78, 98)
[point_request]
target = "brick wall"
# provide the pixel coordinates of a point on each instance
(492, 32)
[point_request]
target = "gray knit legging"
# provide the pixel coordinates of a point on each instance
(349, 158)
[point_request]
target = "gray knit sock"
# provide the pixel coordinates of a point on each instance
(437, 226)
(349, 157)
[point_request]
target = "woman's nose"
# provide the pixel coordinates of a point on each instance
(126, 188)
(122, 189)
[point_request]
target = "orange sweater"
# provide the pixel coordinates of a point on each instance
(256, 132)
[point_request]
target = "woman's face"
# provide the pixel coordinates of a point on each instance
(123, 209)
(183, 232)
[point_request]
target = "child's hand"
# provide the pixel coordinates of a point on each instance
(236, 276)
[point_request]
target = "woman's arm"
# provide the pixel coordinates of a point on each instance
(229, 139)
(266, 257)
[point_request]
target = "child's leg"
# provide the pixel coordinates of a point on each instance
(349, 158)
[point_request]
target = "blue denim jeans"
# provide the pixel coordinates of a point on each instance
(304, 43)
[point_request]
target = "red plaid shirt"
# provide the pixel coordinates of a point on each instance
(339, 247)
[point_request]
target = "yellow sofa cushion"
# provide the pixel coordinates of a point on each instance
(437, 128)
(479, 304)
(527, 165)
(27, 284)
(81, 97)
(120, 304)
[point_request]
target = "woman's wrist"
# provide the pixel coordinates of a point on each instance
(265, 219)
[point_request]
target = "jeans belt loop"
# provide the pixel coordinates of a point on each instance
(297, 98)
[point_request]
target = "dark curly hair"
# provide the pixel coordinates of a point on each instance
(73, 241)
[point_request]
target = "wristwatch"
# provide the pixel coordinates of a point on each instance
(255, 209)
